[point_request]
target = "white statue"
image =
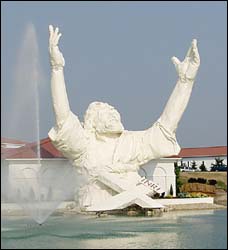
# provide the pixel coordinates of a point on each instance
(101, 145)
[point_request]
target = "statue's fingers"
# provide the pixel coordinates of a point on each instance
(195, 54)
(189, 52)
(51, 29)
(194, 43)
(175, 61)
(57, 38)
(54, 35)
(56, 32)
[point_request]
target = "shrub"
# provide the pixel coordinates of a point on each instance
(212, 182)
(221, 184)
(204, 195)
(198, 180)
(168, 196)
(202, 180)
(192, 180)
(198, 195)
(188, 195)
(182, 195)
(192, 195)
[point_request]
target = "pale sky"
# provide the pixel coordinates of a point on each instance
(119, 53)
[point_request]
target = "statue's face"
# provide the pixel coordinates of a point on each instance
(109, 121)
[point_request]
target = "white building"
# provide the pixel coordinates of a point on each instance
(161, 171)
(19, 162)
(203, 154)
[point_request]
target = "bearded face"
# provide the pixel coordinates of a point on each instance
(108, 121)
(103, 118)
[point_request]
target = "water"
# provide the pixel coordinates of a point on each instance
(23, 111)
(37, 188)
(205, 229)
(40, 189)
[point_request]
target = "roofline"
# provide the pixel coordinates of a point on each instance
(206, 147)
(168, 158)
(198, 156)
(34, 159)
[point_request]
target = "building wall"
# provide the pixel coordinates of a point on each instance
(18, 176)
(185, 201)
(20, 172)
(19, 179)
(162, 172)
(4, 180)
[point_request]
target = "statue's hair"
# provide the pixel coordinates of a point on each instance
(92, 113)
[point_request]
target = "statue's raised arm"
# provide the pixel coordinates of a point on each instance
(177, 103)
(68, 134)
(58, 89)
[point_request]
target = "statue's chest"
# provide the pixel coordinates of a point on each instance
(101, 153)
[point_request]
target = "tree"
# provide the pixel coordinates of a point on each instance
(193, 165)
(219, 165)
(171, 190)
(202, 167)
(178, 181)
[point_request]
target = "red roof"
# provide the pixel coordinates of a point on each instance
(203, 151)
(47, 150)
(13, 141)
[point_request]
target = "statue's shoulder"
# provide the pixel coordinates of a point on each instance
(132, 132)
(129, 134)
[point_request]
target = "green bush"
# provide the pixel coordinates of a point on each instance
(168, 196)
(198, 195)
(221, 184)
(182, 195)
(191, 195)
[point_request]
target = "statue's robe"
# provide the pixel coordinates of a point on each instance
(122, 155)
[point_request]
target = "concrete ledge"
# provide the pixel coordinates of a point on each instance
(182, 201)
(190, 204)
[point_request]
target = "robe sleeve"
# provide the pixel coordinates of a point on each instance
(139, 147)
(70, 139)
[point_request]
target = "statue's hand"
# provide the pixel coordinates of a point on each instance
(187, 69)
(56, 57)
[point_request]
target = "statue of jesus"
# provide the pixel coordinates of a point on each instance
(101, 144)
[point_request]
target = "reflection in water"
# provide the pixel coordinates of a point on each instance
(39, 189)
(179, 230)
